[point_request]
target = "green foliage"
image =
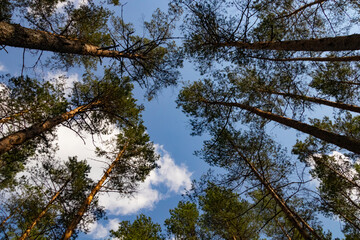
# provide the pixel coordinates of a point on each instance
(337, 80)
(183, 222)
(227, 216)
(141, 228)
(5, 10)
(34, 192)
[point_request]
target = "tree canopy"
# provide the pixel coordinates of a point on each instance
(266, 66)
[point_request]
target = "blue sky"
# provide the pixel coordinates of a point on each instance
(167, 126)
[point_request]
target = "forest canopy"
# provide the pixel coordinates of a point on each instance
(267, 68)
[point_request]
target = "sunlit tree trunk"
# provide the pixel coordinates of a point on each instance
(17, 36)
(345, 142)
(43, 212)
(282, 229)
(9, 142)
(72, 226)
(12, 117)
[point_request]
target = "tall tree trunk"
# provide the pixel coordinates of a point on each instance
(342, 43)
(338, 105)
(302, 8)
(282, 229)
(298, 222)
(345, 142)
(341, 214)
(13, 212)
(17, 138)
(17, 36)
(319, 161)
(314, 59)
(8, 217)
(43, 212)
(83, 208)
(12, 117)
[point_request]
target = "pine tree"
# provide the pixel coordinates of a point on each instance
(141, 228)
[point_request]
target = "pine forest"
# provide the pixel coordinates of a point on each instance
(268, 89)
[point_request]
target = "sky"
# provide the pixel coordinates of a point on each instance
(167, 126)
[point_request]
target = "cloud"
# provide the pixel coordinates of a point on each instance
(67, 79)
(77, 3)
(170, 179)
(2, 68)
(175, 178)
(99, 231)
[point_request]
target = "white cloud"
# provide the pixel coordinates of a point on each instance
(99, 231)
(68, 80)
(77, 4)
(2, 68)
(176, 179)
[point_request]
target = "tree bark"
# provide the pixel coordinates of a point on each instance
(338, 105)
(43, 212)
(12, 117)
(83, 208)
(341, 43)
(340, 213)
(15, 35)
(314, 59)
(319, 161)
(345, 142)
(282, 229)
(302, 8)
(9, 142)
(299, 223)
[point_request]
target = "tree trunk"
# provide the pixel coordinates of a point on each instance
(314, 59)
(17, 36)
(83, 208)
(43, 212)
(12, 117)
(299, 223)
(345, 142)
(302, 8)
(9, 142)
(340, 213)
(338, 105)
(342, 43)
(282, 229)
(319, 161)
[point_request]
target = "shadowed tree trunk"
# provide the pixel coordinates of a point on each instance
(15, 35)
(298, 222)
(321, 161)
(345, 142)
(82, 210)
(314, 59)
(302, 8)
(9, 142)
(342, 43)
(339, 105)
